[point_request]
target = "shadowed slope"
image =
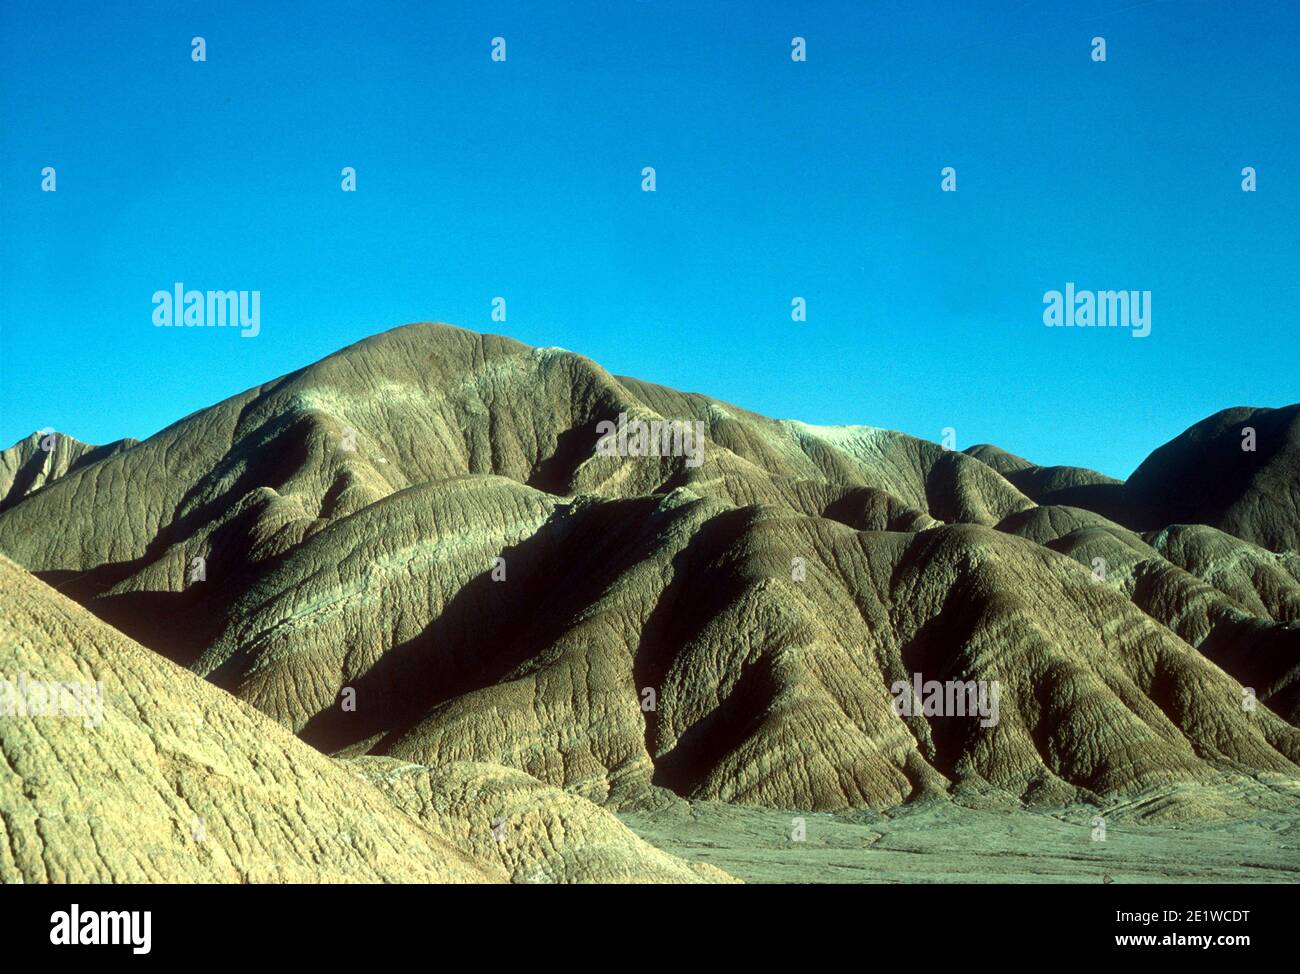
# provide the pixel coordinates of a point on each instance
(1205, 476)
(1238, 470)
(1049, 485)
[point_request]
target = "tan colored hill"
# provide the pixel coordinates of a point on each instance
(429, 402)
(350, 517)
(1047, 485)
(38, 460)
(168, 779)
(178, 782)
(539, 834)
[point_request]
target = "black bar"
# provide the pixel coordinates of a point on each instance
(696, 925)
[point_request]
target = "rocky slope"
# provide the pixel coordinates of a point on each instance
(165, 778)
(43, 458)
(416, 549)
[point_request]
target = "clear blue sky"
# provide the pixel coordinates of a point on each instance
(775, 179)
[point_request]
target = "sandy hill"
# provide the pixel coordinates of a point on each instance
(166, 778)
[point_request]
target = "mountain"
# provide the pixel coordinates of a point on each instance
(43, 458)
(418, 550)
(1238, 470)
(157, 776)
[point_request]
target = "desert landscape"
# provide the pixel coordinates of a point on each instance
(413, 614)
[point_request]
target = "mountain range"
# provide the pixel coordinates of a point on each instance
(397, 616)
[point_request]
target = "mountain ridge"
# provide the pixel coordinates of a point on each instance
(349, 516)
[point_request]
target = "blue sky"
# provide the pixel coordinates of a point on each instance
(774, 179)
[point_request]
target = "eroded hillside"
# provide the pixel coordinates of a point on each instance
(118, 766)
(415, 550)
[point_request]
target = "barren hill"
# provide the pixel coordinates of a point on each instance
(43, 458)
(416, 549)
(147, 774)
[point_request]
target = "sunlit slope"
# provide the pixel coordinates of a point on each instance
(169, 779)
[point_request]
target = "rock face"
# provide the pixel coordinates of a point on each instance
(165, 778)
(418, 550)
